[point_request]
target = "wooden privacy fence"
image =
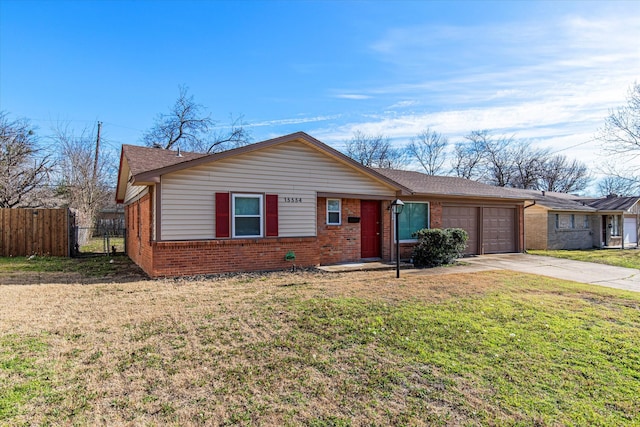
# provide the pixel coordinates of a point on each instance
(25, 232)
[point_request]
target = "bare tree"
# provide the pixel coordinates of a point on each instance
(528, 165)
(562, 175)
(499, 161)
(428, 148)
(621, 132)
(618, 185)
(24, 168)
(187, 125)
(504, 162)
(469, 156)
(224, 138)
(83, 179)
(375, 151)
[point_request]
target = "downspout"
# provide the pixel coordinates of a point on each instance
(622, 230)
(524, 224)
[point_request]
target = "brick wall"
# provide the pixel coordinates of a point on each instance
(536, 234)
(388, 248)
(138, 216)
(231, 255)
(339, 243)
(435, 217)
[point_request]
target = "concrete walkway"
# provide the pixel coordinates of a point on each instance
(577, 271)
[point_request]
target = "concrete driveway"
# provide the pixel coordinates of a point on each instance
(578, 271)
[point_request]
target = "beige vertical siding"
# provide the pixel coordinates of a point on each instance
(294, 171)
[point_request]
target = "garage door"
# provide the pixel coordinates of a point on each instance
(497, 231)
(465, 217)
(630, 231)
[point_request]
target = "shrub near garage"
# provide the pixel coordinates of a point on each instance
(437, 246)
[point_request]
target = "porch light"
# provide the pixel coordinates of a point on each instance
(396, 207)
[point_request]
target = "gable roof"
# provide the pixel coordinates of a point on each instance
(614, 203)
(555, 201)
(423, 184)
(147, 165)
(144, 159)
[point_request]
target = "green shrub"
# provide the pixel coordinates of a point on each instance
(438, 246)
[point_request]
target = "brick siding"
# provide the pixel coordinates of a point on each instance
(138, 217)
(231, 255)
(339, 243)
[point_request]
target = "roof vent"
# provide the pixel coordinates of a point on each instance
(542, 193)
(178, 154)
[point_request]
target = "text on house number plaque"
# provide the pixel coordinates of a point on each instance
(293, 199)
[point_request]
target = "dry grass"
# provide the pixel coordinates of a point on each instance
(252, 350)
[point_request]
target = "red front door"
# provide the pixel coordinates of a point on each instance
(370, 228)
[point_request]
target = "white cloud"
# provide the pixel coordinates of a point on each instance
(293, 121)
(551, 82)
(352, 96)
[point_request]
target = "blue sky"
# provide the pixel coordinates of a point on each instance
(547, 72)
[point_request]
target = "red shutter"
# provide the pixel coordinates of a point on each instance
(222, 215)
(272, 215)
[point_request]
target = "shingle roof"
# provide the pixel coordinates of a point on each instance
(144, 159)
(614, 203)
(421, 183)
(555, 200)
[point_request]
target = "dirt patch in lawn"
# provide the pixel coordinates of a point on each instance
(82, 270)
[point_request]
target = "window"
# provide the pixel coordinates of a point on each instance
(565, 221)
(586, 222)
(333, 212)
(414, 217)
(247, 215)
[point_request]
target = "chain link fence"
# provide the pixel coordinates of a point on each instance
(109, 240)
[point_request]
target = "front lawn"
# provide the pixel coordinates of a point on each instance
(82, 269)
(629, 258)
(491, 348)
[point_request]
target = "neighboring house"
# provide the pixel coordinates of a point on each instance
(565, 221)
(619, 220)
(245, 209)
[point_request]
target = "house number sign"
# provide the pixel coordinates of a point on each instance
(293, 199)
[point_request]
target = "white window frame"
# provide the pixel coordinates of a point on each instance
(428, 220)
(260, 197)
(339, 211)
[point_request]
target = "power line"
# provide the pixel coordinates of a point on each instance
(574, 146)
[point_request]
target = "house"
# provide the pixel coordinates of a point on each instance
(619, 220)
(246, 209)
(565, 221)
(492, 216)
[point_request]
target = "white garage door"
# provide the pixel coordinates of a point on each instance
(630, 231)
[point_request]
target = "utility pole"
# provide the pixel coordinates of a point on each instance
(95, 160)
